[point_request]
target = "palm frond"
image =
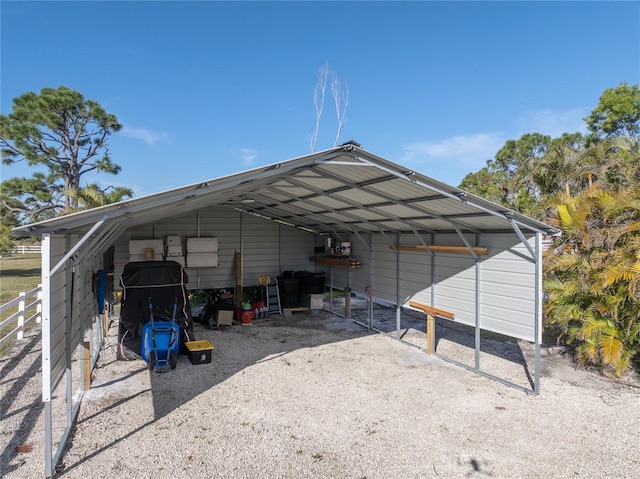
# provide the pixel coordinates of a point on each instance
(610, 349)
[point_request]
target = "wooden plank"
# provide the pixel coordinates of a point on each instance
(105, 323)
(431, 334)
(432, 311)
(443, 249)
(261, 320)
(87, 365)
(237, 267)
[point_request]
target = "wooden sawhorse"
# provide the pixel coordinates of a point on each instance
(431, 322)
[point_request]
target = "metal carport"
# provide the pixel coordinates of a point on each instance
(394, 217)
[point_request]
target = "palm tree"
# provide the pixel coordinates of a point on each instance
(592, 276)
(626, 155)
(92, 196)
(563, 167)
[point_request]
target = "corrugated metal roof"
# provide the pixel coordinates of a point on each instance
(342, 189)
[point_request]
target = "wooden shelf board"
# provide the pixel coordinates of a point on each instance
(443, 249)
(337, 262)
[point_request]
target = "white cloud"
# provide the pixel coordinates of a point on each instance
(450, 159)
(553, 122)
(148, 136)
(248, 155)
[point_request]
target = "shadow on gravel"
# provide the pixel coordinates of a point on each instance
(493, 344)
(283, 335)
(237, 348)
(496, 345)
(63, 469)
(21, 273)
(9, 396)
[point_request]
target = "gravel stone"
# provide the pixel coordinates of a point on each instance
(318, 396)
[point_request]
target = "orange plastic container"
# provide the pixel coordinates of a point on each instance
(246, 317)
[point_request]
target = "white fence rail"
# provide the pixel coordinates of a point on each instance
(26, 248)
(29, 303)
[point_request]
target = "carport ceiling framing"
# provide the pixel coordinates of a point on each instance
(323, 200)
(357, 211)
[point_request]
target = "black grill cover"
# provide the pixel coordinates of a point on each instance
(162, 281)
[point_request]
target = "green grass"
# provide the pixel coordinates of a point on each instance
(18, 273)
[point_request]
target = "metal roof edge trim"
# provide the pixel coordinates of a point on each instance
(167, 196)
(113, 211)
(461, 195)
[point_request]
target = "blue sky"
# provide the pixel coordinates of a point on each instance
(207, 89)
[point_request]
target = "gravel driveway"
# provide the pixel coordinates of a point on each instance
(317, 396)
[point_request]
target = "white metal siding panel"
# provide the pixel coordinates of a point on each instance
(224, 224)
(83, 305)
(76, 306)
(143, 232)
(58, 341)
(296, 246)
(511, 323)
(385, 273)
(360, 277)
(385, 278)
(507, 292)
(415, 275)
(491, 271)
(184, 226)
(415, 269)
(499, 242)
(58, 249)
(507, 289)
(338, 277)
(507, 281)
(120, 258)
(455, 289)
(269, 247)
(87, 302)
(261, 248)
(58, 311)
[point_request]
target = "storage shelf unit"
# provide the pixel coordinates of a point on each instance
(335, 261)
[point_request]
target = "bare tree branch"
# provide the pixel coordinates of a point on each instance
(341, 100)
(340, 93)
(318, 101)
